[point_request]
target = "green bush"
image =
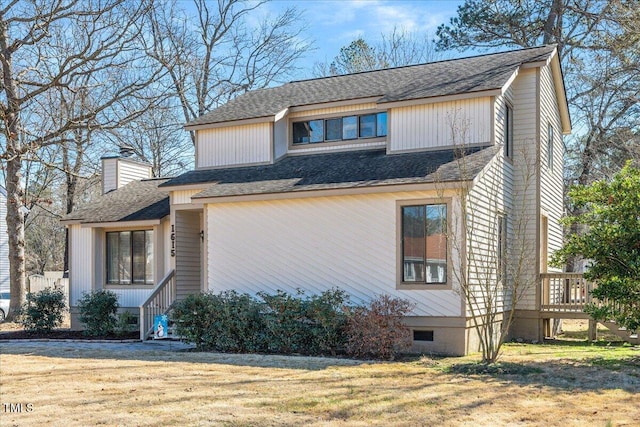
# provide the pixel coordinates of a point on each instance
(285, 321)
(42, 311)
(377, 330)
(193, 318)
(309, 325)
(280, 323)
(327, 319)
(126, 323)
(98, 312)
(228, 321)
(238, 325)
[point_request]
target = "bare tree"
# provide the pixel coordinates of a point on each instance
(397, 48)
(157, 138)
(599, 48)
(217, 55)
(489, 235)
(48, 48)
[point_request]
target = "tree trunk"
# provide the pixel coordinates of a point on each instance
(15, 192)
(15, 223)
(552, 30)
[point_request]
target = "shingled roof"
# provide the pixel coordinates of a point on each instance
(451, 77)
(136, 201)
(350, 169)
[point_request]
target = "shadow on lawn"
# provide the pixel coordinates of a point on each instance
(163, 352)
(566, 366)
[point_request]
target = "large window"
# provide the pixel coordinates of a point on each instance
(424, 243)
(340, 128)
(130, 257)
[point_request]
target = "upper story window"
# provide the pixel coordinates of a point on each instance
(550, 146)
(130, 257)
(508, 131)
(340, 128)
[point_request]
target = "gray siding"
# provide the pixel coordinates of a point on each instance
(188, 253)
(109, 174)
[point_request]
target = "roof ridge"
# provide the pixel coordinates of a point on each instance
(451, 76)
(422, 64)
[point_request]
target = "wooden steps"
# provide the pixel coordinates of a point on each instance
(623, 333)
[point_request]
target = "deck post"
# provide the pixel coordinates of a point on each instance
(593, 330)
(545, 329)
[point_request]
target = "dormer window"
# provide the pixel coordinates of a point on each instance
(338, 129)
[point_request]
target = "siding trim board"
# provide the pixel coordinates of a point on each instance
(538, 177)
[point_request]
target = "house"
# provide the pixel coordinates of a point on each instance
(358, 182)
(4, 242)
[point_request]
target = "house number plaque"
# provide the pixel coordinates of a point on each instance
(173, 240)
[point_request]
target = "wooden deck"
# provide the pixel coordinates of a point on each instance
(565, 295)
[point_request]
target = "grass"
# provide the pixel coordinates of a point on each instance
(562, 382)
(567, 382)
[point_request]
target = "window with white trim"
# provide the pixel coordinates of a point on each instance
(130, 257)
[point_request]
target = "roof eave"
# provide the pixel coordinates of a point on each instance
(213, 125)
(305, 194)
(561, 94)
(122, 224)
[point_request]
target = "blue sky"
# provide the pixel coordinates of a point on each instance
(335, 23)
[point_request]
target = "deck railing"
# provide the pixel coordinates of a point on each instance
(565, 292)
(158, 302)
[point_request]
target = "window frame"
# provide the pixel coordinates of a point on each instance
(508, 130)
(149, 239)
(343, 141)
(424, 286)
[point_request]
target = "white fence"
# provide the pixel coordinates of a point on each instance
(37, 282)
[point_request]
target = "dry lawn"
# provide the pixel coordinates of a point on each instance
(569, 384)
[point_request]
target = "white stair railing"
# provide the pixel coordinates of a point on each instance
(158, 302)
